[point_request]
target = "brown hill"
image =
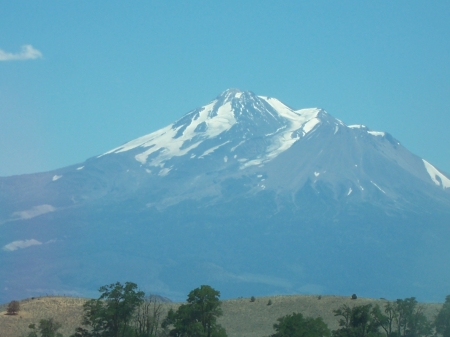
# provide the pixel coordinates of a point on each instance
(241, 317)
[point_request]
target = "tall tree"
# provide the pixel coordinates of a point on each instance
(110, 315)
(411, 320)
(442, 321)
(197, 318)
(148, 317)
(356, 321)
(385, 320)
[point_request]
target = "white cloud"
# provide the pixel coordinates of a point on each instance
(10, 247)
(35, 211)
(27, 52)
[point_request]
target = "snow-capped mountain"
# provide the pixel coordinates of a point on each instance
(229, 122)
(240, 133)
(244, 192)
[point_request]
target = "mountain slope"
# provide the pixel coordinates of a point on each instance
(244, 192)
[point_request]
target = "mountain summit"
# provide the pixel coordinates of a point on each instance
(245, 193)
(230, 121)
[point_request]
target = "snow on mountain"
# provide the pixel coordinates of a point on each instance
(240, 119)
(259, 116)
(370, 132)
(438, 178)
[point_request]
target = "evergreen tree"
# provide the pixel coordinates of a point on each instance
(442, 321)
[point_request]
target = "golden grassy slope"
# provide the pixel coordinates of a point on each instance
(241, 318)
(244, 318)
(65, 310)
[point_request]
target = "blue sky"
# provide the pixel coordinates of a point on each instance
(78, 78)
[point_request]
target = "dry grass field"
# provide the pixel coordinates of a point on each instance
(242, 318)
(65, 310)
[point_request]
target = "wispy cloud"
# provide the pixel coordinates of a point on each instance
(10, 247)
(220, 273)
(34, 211)
(311, 289)
(27, 52)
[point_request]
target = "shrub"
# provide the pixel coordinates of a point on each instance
(13, 308)
(270, 302)
(46, 328)
(354, 297)
(252, 299)
(296, 325)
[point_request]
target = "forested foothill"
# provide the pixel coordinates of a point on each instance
(122, 310)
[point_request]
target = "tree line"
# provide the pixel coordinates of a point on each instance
(124, 311)
(402, 318)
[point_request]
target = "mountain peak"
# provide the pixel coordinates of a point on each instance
(234, 118)
(230, 91)
(229, 94)
(233, 94)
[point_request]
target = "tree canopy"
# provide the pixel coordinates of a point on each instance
(356, 321)
(402, 318)
(13, 308)
(296, 325)
(110, 315)
(197, 318)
